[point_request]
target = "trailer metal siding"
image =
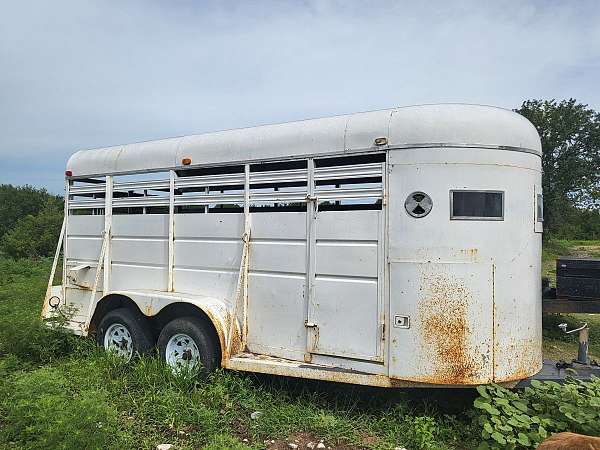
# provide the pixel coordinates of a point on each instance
(373, 296)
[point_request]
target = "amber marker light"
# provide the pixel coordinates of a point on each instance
(186, 161)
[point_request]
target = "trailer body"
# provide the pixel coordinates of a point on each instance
(393, 248)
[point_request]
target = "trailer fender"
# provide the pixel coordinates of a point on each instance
(218, 311)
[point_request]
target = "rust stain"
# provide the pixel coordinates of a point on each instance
(445, 329)
(236, 339)
(291, 368)
(470, 254)
(523, 358)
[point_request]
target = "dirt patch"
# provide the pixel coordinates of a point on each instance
(304, 440)
(587, 251)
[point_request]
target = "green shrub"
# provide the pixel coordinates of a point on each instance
(35, 235)
(522, 419)
(17, 202)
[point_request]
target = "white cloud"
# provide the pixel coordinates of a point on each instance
(77, 74)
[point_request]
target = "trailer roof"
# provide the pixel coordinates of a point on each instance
(450, 125)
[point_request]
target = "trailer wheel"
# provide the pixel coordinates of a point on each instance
(187, 345)
(124, 333)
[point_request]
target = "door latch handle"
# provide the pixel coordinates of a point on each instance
(310, 324)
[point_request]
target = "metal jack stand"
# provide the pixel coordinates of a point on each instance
(584, 336)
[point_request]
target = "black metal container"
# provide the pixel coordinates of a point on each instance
(578, 278)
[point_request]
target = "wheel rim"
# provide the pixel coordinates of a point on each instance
(182, 354)
(118, 340)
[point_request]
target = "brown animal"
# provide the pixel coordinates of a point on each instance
(570, 441)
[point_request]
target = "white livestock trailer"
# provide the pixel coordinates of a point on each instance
(393, 248)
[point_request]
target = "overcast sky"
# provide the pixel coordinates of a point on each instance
(84, 74)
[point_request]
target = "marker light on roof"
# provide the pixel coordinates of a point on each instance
(186, 161)
(68, 173)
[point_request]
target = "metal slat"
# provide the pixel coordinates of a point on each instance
(338, 194)
(84, 204)
(87, 190)
(278, 197)
(209, 180)
(341, 172)
(141, 185)
(138, 202)
(279, 176)
(208, 199)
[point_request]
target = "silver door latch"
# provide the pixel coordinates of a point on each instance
(401, 321)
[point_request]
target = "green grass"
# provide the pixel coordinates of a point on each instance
(60, 391)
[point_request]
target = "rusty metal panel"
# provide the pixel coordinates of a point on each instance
(449, 338)
(493, 266)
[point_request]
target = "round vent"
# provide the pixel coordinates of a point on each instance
(418, 204)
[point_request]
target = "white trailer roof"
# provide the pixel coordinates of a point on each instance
(411, 126)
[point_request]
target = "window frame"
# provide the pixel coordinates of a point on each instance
(539, 208)
(482, 218)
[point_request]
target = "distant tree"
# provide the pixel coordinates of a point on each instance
(35, 235)
(570, 135)
(17, 202)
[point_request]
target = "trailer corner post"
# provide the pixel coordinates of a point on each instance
(242, 283)
(107, 230)
(171, 229)
(246, 243)
(64, 246)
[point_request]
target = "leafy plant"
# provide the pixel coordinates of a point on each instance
(523, 419)
(424, 429)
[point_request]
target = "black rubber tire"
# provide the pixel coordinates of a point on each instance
(136, 324)
(203, 337)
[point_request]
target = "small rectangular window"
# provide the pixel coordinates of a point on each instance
(476, 205)
(540, 208)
